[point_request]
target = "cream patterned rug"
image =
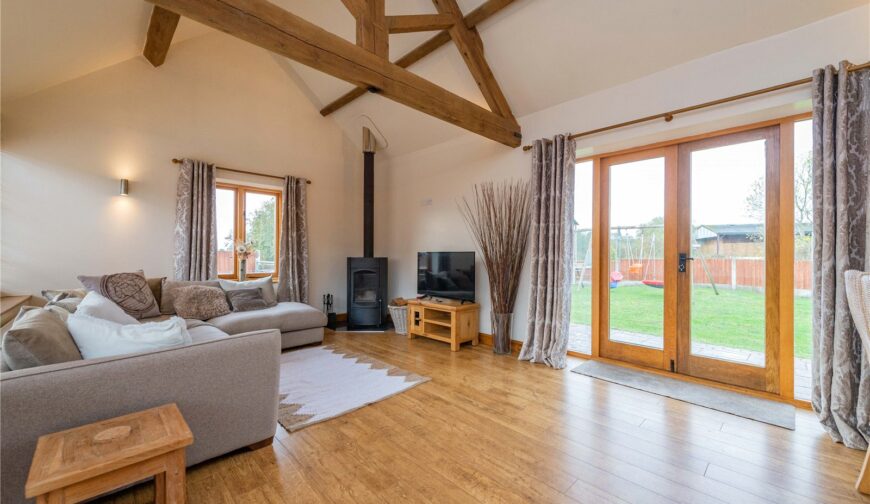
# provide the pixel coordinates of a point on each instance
(324, 382)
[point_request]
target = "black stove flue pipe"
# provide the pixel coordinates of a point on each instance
(368, 193)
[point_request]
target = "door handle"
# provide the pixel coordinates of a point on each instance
(682, 264)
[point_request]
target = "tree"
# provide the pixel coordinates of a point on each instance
(803, 205)
(261, 231)
(755, 201)
(803, 209)
(803, 192)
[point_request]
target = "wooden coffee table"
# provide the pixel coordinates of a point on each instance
(81, 463)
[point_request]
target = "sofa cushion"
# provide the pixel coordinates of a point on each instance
(200, 302)
(264, 284)
(95, 305)
(38, 337)
(156, 286)
(246, 299)
(130, 291)
(103, 338)
(170, 288)
(158, 318)
(283, 316)
(202, 331)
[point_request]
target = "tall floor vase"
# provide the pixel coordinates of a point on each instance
(501, 333)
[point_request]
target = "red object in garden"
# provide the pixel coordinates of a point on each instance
(616, 276)
(658, 284)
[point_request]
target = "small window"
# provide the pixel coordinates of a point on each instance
(247, 215)
(226, 231)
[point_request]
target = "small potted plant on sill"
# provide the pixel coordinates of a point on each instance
(244, 250)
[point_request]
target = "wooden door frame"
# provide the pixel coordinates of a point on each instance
(786, 311)
(758, 378)
(635, 354)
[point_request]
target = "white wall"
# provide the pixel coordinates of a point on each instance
(216, 98)
(423, 187)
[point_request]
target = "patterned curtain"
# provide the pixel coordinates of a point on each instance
(841, 140)
(552, 243)
(195, 222)
(293, 262)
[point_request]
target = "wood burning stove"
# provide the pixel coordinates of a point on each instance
(367, 275)
(366, 291)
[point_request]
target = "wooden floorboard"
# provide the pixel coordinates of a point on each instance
(488, 428)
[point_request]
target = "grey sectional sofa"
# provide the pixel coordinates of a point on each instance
(300, 324)
(225, 384)
(226, 387)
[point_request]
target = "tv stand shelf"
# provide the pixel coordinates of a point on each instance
(443, 320)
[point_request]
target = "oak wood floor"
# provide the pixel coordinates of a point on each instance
(491, 429)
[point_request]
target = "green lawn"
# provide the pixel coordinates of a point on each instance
(734, 318)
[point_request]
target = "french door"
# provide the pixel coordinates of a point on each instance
(690, 264)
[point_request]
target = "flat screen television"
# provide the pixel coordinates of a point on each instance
(446, 275)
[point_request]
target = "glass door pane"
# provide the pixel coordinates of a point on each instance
(580, 330)
(728, 195)
(803, 258)
(636, 272)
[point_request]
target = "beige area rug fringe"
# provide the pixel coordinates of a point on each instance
(325, 382)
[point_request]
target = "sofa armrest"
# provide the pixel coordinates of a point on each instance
(227, 390)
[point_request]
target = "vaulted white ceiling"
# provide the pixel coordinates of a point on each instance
(542, 52)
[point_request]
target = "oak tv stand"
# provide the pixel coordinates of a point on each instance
(444, 320)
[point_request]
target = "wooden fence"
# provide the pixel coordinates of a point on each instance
(225, 259)
(728, 271)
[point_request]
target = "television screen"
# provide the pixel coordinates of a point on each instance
(446, 275)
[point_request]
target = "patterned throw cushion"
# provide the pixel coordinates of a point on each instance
(130, 291)
(63, 300)
(200, 302)
(246, 300)
(51, 294)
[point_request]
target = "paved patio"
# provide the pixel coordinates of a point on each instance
(580, 340)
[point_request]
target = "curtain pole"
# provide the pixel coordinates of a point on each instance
(669, 116)
(178, 161)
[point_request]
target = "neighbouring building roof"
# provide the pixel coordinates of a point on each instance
(711, 231)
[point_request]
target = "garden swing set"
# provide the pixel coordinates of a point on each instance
(644, 266)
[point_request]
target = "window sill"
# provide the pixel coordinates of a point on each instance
(248, 279)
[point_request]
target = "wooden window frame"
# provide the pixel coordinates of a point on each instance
(784, 261)
(240, 191)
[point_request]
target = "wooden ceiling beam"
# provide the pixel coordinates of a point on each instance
(268, 26)
(470, 46)
(475, 17)
(371, 28)
(160, 31)
(418, 23)
(355, 7)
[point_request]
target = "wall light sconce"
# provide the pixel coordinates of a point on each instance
(125, 187)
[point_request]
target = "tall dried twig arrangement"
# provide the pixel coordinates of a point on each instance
(498, 217)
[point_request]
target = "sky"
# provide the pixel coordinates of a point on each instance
(721, 180)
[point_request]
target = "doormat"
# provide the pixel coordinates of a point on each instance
(726, 401)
